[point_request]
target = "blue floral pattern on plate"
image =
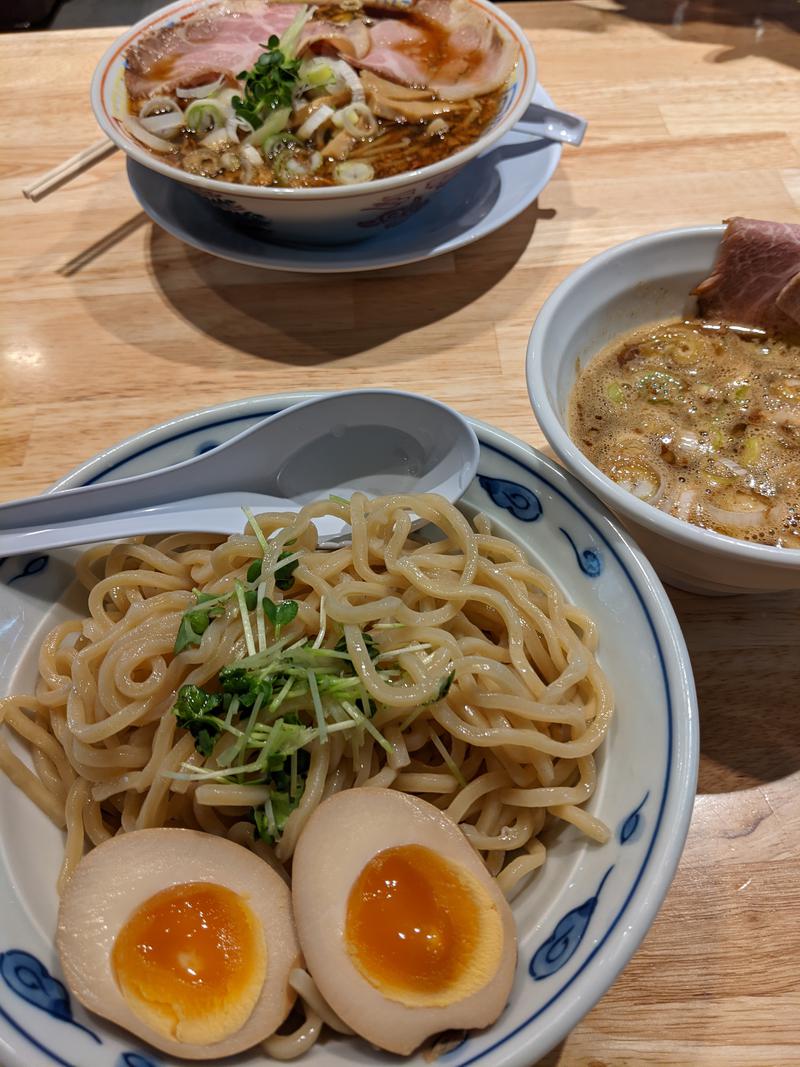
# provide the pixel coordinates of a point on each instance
(631, 826)
(135, 1059)
(31, 980)
(35, 565)
(589, 559)
(206, 446)
(562, 944)
(28, 977)
(522, 502)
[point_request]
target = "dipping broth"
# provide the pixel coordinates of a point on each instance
(701, 420)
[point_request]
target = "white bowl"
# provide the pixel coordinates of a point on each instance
(579, 920)
(630, 285)
(313, 216)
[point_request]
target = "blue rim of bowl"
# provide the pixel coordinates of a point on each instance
(654, 520)
(680, 774)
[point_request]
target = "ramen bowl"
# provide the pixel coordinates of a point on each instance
(639, 282)
(325, 215)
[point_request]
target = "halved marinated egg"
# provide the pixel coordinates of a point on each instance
(181, 937)
(403, 929)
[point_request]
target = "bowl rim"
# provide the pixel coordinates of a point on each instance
(112, 60)
(552, 426)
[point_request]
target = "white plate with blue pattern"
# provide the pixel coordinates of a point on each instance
(508, 178)
(582, 916)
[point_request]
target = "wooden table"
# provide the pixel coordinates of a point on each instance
(109, 325)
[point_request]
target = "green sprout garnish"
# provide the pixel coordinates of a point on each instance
(268, 86)
(193, 711)
(280, 614)
(255, 722)
(284, 575)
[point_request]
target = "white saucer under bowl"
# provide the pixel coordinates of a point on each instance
(509, 176)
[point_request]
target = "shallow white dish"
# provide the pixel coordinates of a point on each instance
(510, 176)
(642, 281)
(579, 921)
(324, 214)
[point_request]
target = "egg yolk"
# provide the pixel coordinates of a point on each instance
(420, 929)
(191, 962)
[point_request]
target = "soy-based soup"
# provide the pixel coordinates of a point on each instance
(701, 420)
(265, 93)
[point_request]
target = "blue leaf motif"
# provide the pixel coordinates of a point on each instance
(519, 500)
(559, 948)
(135, 1059)
(33, 566)
(30, 980)
(632, 823)
(589, 559)
(206, 446)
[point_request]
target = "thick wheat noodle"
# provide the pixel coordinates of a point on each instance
(506, 751)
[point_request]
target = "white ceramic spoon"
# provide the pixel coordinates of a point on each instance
(375, 440)
(552, 125)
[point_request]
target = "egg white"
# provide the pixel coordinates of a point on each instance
(341, 837)
(113, 880)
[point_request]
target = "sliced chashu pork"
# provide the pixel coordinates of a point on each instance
(756, 278)
(226, 39)
(458, 52)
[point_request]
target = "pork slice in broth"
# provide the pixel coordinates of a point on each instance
(451, 48)
(209, 44)
(756, 278)
(213, 43)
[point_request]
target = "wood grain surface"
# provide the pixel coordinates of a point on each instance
(109, 325)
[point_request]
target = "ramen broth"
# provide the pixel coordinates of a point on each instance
(305, 112)
(701, 420)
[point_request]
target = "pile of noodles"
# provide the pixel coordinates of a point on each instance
(507, 753)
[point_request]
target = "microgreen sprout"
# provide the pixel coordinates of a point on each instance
(268, 86)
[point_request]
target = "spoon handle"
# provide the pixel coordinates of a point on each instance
(553, 125)
(167, 519)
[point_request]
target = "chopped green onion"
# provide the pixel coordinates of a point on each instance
(290, 38)
(274, 124)
(204, 115)
(658, 387)
(353, 172)
(751, 451)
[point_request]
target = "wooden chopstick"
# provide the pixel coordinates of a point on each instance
(69, 169)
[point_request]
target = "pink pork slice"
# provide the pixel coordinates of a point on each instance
(756, 278)
(458, 52)
(223, 39)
